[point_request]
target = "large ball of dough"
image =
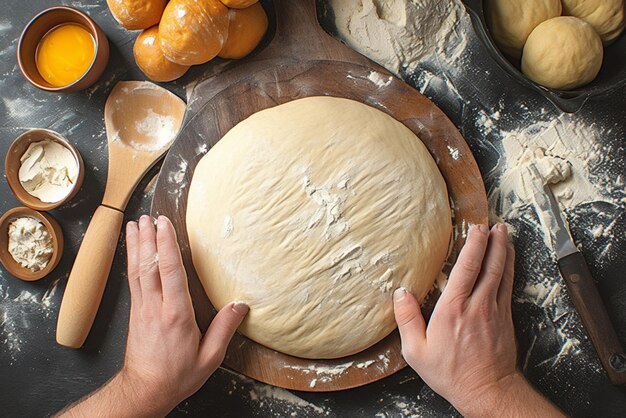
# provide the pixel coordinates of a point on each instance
(511, 21)
(313, 212)
(137, 14)
(150, 58)
(193, 31)
(606, 16)
(246, 29)
(562, 53)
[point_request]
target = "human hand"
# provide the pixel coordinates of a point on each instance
(467, 353)
(167, 359)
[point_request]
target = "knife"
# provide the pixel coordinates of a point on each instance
(580, 285)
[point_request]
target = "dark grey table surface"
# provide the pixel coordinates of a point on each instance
(38, 377)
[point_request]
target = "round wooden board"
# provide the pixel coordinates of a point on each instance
(271, 79)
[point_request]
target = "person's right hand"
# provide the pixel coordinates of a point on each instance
(167, 358)
(467, 354)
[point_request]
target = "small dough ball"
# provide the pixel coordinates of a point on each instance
(239, 4)
(193, 31)
(137, 14)
(606, 16)
(511, 21)
(246, 29)
(562, 53)
(150, 58)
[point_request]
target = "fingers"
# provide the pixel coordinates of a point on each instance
(505, 292)
(468, 265)
(148, 261)
(132, 255)
(172, 272)
(493, 264)
(215, 341)
(410, 322)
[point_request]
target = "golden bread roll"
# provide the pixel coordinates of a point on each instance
(193, 31)
(137, 14)
(150, 58)
(247, 27)
(239, 4)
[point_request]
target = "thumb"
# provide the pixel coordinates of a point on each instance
(410, 322)
(215, 341)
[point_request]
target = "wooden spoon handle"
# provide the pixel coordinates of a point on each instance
(88, 277)
(586, 298)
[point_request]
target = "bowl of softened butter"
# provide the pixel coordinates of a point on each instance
(43, 169)
(31, 243)
(62, 50)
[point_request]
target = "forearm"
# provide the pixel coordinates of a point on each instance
(514, 398)
(118, 398)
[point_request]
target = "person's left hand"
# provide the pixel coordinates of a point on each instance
(167, 358)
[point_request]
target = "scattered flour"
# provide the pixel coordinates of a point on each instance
(364, 364)
(271, 399)
(379, 79)
(411, 406)
(563, 150)
(323, 373)
(19, 312)
(454, 152)
(176, 180)
(202, 149)
(550, 297)
(566, 152)
(177, 177)
(165, 127)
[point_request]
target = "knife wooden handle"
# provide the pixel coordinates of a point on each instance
(595, 318)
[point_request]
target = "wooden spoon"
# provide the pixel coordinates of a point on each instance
(141, 120)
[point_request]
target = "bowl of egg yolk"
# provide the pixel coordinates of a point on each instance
(62, 50)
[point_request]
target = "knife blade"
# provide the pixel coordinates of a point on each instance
(580, 284)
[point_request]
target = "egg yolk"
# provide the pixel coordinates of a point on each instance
(65, 54)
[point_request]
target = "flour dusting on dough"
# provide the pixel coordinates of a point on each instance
(227, 229)
(328, 213)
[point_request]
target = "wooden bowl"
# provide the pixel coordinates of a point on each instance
(7, 259)
(12, 165)
(39, 26)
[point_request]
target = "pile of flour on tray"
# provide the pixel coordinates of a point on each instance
(400, 34)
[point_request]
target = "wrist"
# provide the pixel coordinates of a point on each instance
(496, 399)
(145, 400)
